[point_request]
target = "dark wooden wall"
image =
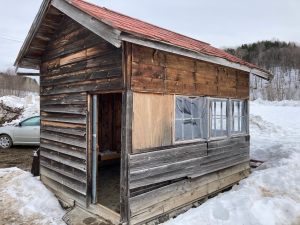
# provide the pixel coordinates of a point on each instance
(110, 108)
(156, 71)
(74, 63)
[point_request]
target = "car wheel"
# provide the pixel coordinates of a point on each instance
(5, 141)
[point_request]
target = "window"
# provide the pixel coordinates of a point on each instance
(238, 117)
(188, 118)
(34, 121)
(218, 117)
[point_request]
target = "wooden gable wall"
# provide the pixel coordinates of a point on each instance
(156, 71)
(75, 62)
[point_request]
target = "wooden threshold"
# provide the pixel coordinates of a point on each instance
(104, 212)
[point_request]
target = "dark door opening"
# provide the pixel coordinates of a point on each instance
(109, 150)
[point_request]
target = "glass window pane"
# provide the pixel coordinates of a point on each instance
(244, 124)
(187, 108)
(196, 129)
(218, 118)
(196, 108)
(35, 121)
(179, 108)
(178, 130)
(187, 129)
(188, 120)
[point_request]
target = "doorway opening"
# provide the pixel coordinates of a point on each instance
(109, 150)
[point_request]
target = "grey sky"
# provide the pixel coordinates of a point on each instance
(220, 23)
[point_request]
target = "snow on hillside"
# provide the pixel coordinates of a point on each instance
(284, 85)
(30, 104)
(25, 200)
(271, 194)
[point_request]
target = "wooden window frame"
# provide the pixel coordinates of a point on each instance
(201, 121)
(246, 117)
(210, 137)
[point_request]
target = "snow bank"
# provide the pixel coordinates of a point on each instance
(31, 105)
(277, 103)
(271, 194)
(25, 200)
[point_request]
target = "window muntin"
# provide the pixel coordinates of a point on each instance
(218, 117)
(188, 118)
(238, 116)
(34, 121)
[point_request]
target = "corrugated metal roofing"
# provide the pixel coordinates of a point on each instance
(143, 29)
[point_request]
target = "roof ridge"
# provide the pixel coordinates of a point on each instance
(148, 23)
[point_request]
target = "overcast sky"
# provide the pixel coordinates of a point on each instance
(220, 23)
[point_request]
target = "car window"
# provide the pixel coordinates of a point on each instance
(34, 121)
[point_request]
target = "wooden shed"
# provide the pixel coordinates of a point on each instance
(138, 123)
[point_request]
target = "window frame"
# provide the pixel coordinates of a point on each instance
(205, 121)
(21, 123)
(246, 104)
(210, 137)
(201, 122)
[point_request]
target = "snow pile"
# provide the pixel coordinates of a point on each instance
(25, 200)
(271, 194)
(30, 104)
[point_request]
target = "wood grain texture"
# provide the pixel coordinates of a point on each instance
(75, 61)
(200, 159)
(152, 120)
(166, 199)
(161, 72)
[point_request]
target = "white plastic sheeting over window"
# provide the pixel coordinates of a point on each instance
(189, 116)
(204, 118)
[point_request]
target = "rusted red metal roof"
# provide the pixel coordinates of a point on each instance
(143, 29)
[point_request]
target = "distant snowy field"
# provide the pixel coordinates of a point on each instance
(271, 194)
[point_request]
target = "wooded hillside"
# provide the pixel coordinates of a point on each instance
(282, 59)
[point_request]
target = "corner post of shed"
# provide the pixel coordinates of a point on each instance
(126, 134)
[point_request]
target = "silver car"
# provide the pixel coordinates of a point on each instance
(26, 132)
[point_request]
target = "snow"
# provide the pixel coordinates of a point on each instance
(25, 200)
(30, 103)
(271, 194)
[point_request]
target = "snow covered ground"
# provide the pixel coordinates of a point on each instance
(25, 200)
(271, 194)
(30, 103)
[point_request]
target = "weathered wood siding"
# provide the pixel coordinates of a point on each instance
(75, 62)
(163, 202)
(156, 71)
(177, 172)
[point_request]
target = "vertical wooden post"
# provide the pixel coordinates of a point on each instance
(229, 117)
(94, 147)
(126, 147)
(126, 134)
(89, 150)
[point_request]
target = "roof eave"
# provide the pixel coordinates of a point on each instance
(33, 30)
(101, 29)
(192, 54)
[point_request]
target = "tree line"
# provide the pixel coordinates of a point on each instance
(11, 84)
(280, 58)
